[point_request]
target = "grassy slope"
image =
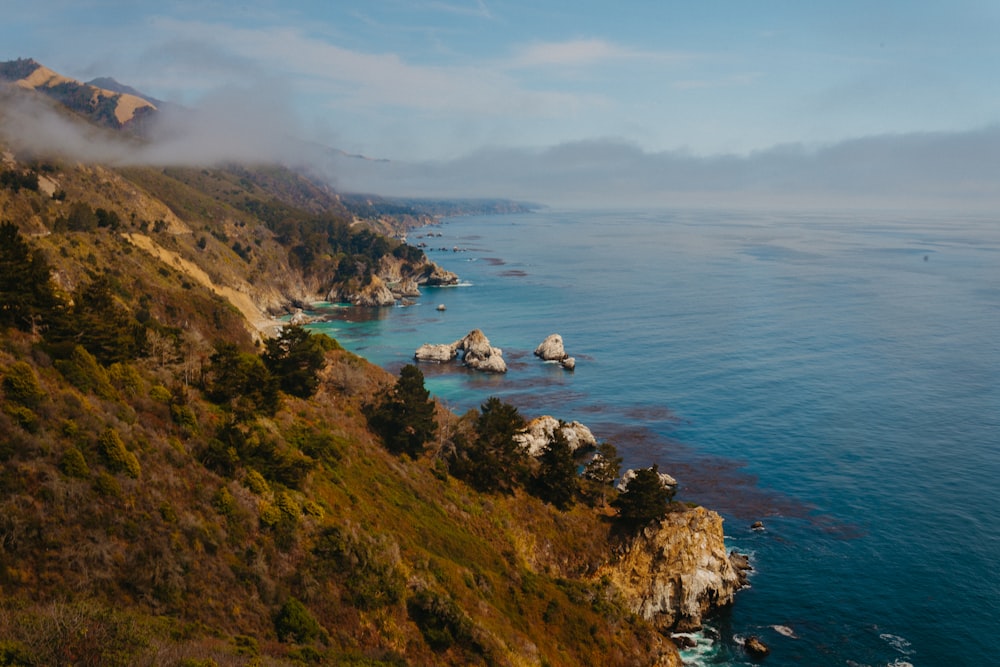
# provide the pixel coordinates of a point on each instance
(398, 562)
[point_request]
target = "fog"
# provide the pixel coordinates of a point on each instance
(958, 170)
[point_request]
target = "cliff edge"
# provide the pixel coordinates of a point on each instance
(674, 572)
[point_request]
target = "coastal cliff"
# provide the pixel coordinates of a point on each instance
(674, 572)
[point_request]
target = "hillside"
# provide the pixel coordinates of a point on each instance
(185, 481)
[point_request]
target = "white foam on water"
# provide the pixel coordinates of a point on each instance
(901, 644)
(703, 651)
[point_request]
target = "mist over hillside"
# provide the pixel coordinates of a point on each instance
(258, 125)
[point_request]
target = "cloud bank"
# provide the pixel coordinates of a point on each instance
(960, 170)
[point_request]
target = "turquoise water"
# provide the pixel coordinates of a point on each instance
(836, 376)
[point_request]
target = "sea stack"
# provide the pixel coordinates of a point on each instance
(551, 349)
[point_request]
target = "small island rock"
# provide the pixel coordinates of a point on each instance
(756, 648)
(477, 353)
(480, 355)
(551, 349)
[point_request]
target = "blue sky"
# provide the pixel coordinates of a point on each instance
(439, 82)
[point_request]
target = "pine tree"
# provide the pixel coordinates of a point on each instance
(645, 499)
(405, 416)
(27, 297)
(493, 460)
(602, 471)
(295, 358)
(556, 481)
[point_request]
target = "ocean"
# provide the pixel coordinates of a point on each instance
(833, 375)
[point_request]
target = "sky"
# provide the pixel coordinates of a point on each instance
(657, 101)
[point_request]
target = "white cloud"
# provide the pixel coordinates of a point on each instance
(360, 80)
(584, 52)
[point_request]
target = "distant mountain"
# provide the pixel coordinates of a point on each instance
(106, 107)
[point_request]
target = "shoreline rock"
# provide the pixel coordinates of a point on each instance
(675, 572)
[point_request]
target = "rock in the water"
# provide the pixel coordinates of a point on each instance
(436, 353)
(741, 564)
(674, 572)
(551, 349)
(438, 276)
(756, 648)
(540, 430)
(479, 355)
(757, 525)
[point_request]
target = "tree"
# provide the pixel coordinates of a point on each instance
(493, 460)
(645, 499)
(240, 381)
(602, 471)
(27, 296)
(295, 358)
(405, 416)
(556, 481)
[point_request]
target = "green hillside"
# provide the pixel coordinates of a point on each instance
(176, 489)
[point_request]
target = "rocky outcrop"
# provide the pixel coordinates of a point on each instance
(674, 572)
(374, 293)
(539, 431)
(665, 479)
(480, 355)
(551, 349)
(477, 353)
(435, 276)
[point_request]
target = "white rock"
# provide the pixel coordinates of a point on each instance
(551, 349)
(540, 431)
(438, 353)
(665, 479)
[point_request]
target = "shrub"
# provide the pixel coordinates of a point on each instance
(442, 622)
(293, 622)
(160, 394)
(116, 456)
(73, 464)
(21, 386)
(23, 417)
(369, 563)
(83, 372)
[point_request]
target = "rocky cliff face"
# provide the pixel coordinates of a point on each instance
(675, 572)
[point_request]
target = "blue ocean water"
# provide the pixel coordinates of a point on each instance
(836, 376)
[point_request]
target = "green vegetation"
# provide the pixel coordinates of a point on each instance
(645, 498)
(404, 417)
